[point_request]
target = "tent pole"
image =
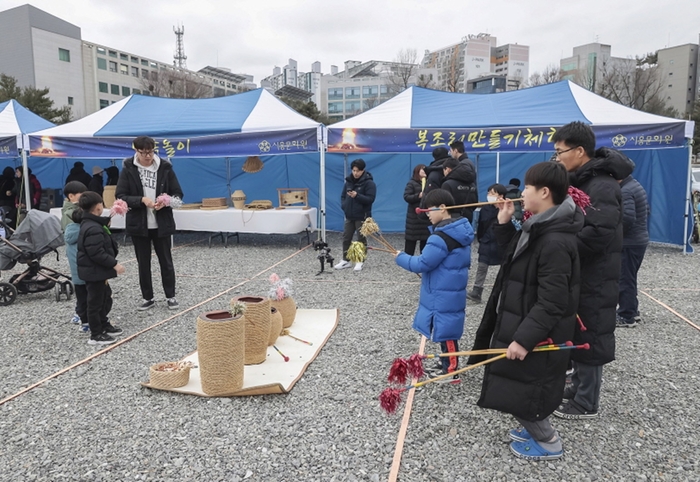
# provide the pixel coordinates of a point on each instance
(688, 197)
(228, 176)
(498, 167)
(322, 167)
(25, 179)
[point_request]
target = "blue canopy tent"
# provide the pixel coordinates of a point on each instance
(505, 134)
(207, 141)
(15, 123)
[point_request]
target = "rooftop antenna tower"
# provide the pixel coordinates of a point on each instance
(180, 59)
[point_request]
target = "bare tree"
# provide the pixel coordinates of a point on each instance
(370, 102)
(402, 71)
(424, 80)
(451, 80)
(176, 83)
(638, 84)
(549, 75)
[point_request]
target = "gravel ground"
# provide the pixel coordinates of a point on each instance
(95, 422)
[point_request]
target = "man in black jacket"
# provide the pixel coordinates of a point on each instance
(635, 237)
(143, 178)
(359, 192)
(469, 177)
(599, 246)
(459, 181)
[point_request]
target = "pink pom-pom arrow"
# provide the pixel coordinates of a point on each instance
(119, 208)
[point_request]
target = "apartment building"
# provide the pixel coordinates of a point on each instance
(477, 56)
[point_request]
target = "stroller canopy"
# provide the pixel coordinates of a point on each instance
(38, 234)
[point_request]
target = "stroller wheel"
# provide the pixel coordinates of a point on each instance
(8, 294)
(58, 289)
(68, 289)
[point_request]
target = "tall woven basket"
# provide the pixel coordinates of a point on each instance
(257, 327)
(288, 307)
(221, 350)
(108, 196)
(275, 325)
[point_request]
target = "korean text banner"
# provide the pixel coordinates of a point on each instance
(8, 147)
(510, 139)
(239, 144)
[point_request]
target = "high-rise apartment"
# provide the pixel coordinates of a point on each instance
(478, 56)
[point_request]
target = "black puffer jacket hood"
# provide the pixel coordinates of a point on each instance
(606, 162)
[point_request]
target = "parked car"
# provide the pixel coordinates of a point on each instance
(695, 179)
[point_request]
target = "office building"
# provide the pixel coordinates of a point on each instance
(678, 67)
(363, 85)
(591, 63)
(41, 50)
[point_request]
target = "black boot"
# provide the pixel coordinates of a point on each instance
(475, 294)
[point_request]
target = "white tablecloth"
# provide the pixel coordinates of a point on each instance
(231, 220)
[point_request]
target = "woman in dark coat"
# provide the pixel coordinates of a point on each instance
(416, 226)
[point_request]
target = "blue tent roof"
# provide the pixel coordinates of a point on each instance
(552, 104)
(521, 120)
(15, 120)
(251, 123)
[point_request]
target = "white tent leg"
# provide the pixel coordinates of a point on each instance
(25, 180)
(322, 178)
(498, 167)
(688, 197)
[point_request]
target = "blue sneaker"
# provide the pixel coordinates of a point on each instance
(531, 450)
(519, 435)
(84, 329)
(76, 319)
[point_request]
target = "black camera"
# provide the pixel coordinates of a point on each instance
(324, 255)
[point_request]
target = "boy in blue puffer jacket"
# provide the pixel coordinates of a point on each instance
(444, 264)
(71, 230)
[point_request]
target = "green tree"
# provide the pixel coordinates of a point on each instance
(35, 100)
(307, 109)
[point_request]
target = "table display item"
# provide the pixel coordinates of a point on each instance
(275, 325)
(238, 199)
(108, 197)
(191, 206)
(170, 374)
(257, 327)
(259, 205)
(221, 345)
(293, 197)
(252, 165)
(214, 202)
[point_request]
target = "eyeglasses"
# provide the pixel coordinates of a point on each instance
(145, 153)
(558, 153)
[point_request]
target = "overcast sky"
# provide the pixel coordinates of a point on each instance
(252, 36)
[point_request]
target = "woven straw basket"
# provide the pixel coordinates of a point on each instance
(169, 379)
(288, 308)
(108, 196)
(257, 327)
(275, 325)
(221, 350)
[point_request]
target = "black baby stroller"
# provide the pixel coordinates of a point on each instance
(38, 234)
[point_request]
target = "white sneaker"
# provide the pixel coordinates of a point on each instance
(358, 267)
(343, 264)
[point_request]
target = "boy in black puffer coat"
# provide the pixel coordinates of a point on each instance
(534, 298)
(97, 263)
